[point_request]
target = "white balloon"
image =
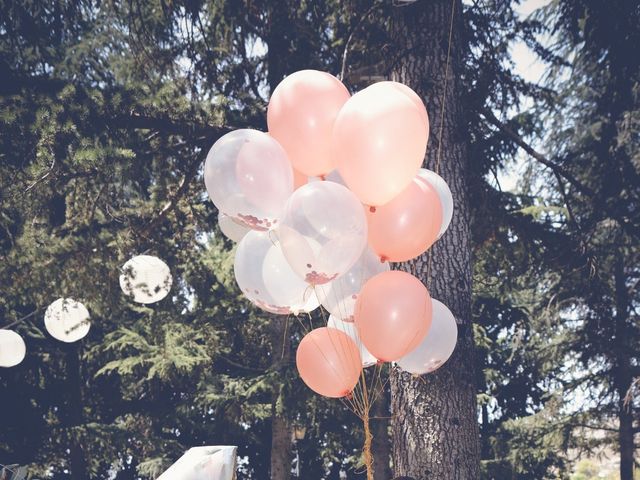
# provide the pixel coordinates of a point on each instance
(333, 176)
(437, 346)
(350, 329)
(230, 228)
(446, 199)
(248, 176)
(146, 279)
(323, 231)
(67, 320)
(266, 279)
(339, 296)
(12, 348)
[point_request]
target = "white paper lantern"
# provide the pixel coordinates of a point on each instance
(146, 279)
(12, 348)
(350, 329)
(67, 320)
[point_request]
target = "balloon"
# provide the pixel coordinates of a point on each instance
(323, 231)
(146, 279)
(67, 320)
(406, 226)
(339, 296)
(329, 362)
(436, 347)
(230, 228)
(299, 179)
(393, 314)
(12, 348)
(382, 87)
(446, 199)
(300, 115)
(249, 177)
(350, 329)
(267, 280)
(379, 142)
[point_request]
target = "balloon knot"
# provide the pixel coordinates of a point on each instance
(383, 258)
(372, 209)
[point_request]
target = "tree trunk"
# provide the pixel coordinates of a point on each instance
(434, 419)
(281, 430)
(75, 417)
(381, 446)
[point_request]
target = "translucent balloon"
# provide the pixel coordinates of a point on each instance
(266, 279)
(379, 142)
(67, 320)
(300, 116)
(393, 314)
(329, 362)
(446, 199)
(12, 348)
(249, 177)
(408, 225)
(146, 279)
(351, 330)
(437, 346)
(323, 231)
(339, 296)
(230, 228)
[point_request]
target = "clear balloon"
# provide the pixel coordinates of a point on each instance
(381, 88)
(12, 348)
(323, 231)
(249, 177)
(379, 142)
(446, 198)
(266, 279)
(351, 330)
(145, 279)
(67, 320)
(231, 229)
(300, 116)
(339, 296)
(437, 346)
(393, 314)
(329, 362)
(406, 226)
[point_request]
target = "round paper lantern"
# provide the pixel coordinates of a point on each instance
(339, 296)
(329, 362)
(230, 228)
(146, 279)
(248, 177)
(350, 329)
(408, 225)
(323, 231)
(300, 116)
(67, 320)
(379, 142)
(436, 347)
(266, 279)
(393, 314)
(446, 198)
(12, 348)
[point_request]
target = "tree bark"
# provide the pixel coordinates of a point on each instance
(381, 446)
(77, 460)
(434, 419)
(281, 430)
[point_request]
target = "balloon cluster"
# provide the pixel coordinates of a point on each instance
(320, 205)
(144, 278)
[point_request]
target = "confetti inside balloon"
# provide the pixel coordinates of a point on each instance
(146, 279)
(67, 320)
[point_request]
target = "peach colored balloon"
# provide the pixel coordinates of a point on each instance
(300, 115)
(299, 179)
(329, 362)
(379, 142)
(406, 226)
(381, 87)
(393, 314)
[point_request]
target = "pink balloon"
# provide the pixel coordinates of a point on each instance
(300, 115)
(299, 179)
(329, 362)
(393, 314)
(406, 226)
(379, 142)
(382, 87)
